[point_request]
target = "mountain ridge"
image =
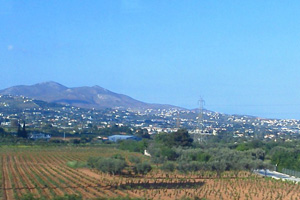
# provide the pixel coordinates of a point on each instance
(85, 96)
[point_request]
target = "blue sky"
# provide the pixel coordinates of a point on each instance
(242, 57)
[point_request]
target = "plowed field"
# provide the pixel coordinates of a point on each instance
(44, 173)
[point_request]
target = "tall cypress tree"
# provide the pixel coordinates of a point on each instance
(19, 133)
(24, 132)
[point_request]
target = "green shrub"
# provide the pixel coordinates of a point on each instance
(92, 161)
(168, 167)
(134, 146)
(118, 156)
(142, 168)
(111, 165)
(193, 166)
(134, 159)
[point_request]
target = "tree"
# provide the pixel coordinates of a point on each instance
(178, 138)
(251, 165)
(118, 156)
(182, 138)
(134, 159)
(257, 153)
(2, 132)
(19, 133)
(168, 166)
(22, 132)
(92, 161)
(142, 168)
(218, 166)
(192, 166)
(168, 153)
(143, 133)
(264, 166)
(133, 146)
(157, 160)
(164, 139)
(111, 165)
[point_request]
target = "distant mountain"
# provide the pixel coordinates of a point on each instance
(84, 97)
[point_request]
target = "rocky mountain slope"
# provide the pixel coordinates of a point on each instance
(84, 97)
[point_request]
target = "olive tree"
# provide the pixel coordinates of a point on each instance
(111, 165)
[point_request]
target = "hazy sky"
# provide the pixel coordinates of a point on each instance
(242, 57)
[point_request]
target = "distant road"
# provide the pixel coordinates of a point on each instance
(276, 175)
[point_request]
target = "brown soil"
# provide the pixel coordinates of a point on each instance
(47, 174)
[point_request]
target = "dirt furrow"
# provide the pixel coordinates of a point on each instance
(54, 176)
(19, 187)
(7, 185)
(31, 181)
(48, 185)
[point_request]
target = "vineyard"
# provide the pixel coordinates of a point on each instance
(43, 172)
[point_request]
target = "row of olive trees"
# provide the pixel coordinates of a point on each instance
(170, 153)
(117, 164)
(216, 164)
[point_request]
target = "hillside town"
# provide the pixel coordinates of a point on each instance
(56, 119)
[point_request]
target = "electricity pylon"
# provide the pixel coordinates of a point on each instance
(198, 135)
